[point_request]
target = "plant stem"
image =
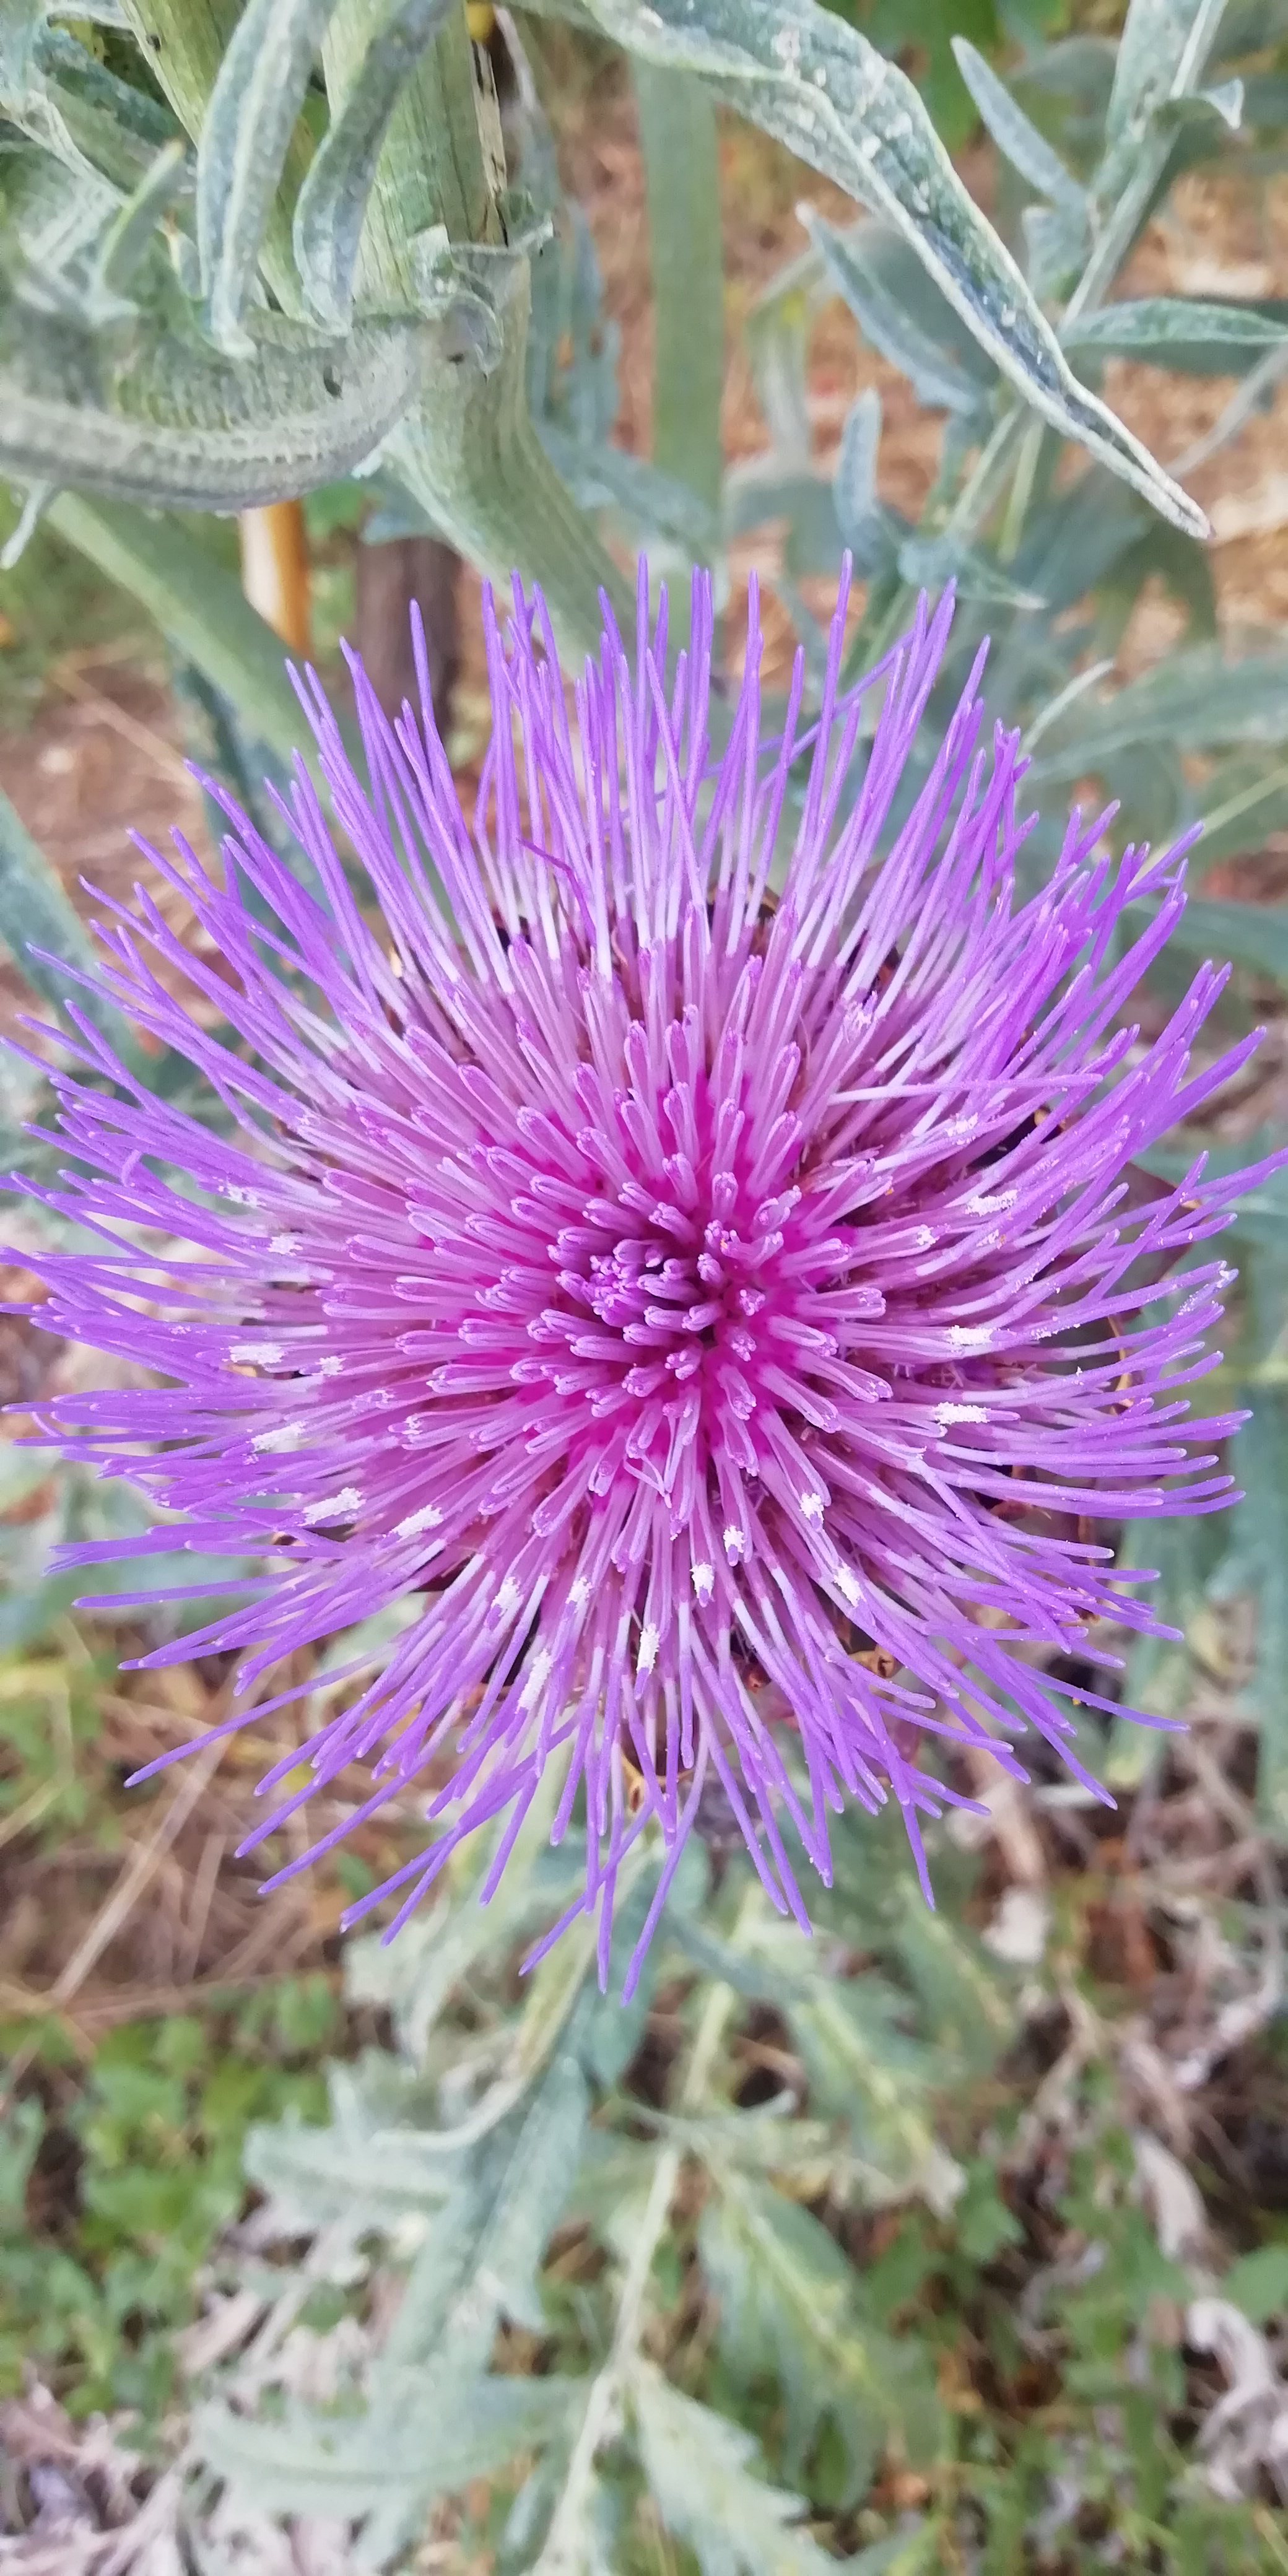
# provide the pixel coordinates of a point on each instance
(561, 2555)
(467, 450)
(1021, 492)
(183, 42)
(677, 125)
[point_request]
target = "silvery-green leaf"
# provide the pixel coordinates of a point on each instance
(56, 92)
(572, 352)
(814, 82)
(759, 489)
(854, 262)
(1159, 1675)
(196, 602)
(1161, 54)
(1226, 101)
(1241, 802)
(242, 152)
(36, 912)
(1076, 539)
(315, 2175)
(1015, 135)
(788, 2305)
(602, 477)
(414, 1976)
(435, 2433)
(928, 563)
(699, 2468)
(36, 500)
(26, 100)
(777, 338)
(1196, 698)
(129, 235)
(1184, 569)
(117, 128)
(1181, 331)
(871, 532)
(1257, 1564)
(861, 2064)
(591, 2537)
(1265, 100)
(482, 2255)
(332, 203)
(531, 154)
(1251, 935)
(142, 412)
(1056, 244)
(55, 218)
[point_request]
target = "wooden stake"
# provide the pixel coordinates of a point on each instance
(275, 570)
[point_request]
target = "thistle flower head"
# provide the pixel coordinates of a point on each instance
(673, 1228)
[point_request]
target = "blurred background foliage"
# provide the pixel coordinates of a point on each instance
(944, 2242)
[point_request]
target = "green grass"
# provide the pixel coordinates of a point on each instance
(116, 2181)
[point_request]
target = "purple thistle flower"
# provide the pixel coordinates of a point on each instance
(724, 1309)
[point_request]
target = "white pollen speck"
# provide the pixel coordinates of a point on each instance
(330, 1367)
(811, 1507)
(704, 1581)
(335, 1507)
(970, 1337)
(284, 1243)
(287, 1435)
(266, 1352)
(239, 1194)
(735, 1541)
(537, 1675)
(961, 1413)
(847, 1585)
(579, 1592)
(508, 1598)
(427, 1518)
(650, 1640)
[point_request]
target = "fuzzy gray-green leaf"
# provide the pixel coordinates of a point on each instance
(1258, 1564)
(815, 83)
(1252, 935)
(244, 142)
(1182, 332)
(1025, 148)
(318, 2174)
(37, 912)
(332, 203)
(436, 2432)
(1196, 697)
(481, 2257)
(699, 2468)
(144, 414)
(1162, 52)
(127, 238)
(788, 2304)
(854, 263)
